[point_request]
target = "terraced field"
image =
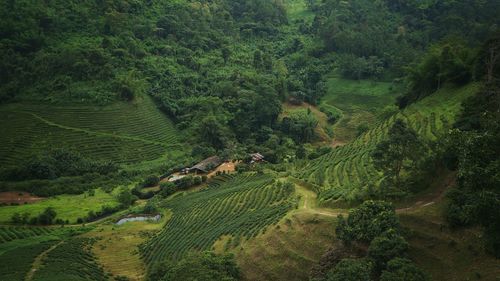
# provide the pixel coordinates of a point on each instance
(347, 171)
(123, 132)
(10, 233)
(70, 260)
(240, 207)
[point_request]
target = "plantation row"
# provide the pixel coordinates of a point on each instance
(242, 206)
(9, 233)
(122, 133)
(347, 172)
(71, 260)
(16, 263)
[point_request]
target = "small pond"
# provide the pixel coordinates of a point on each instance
(139, 218)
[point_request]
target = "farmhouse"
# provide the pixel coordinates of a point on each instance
(256, 157)
(206, 165)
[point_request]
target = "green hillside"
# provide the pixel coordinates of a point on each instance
(123, 132)
(241, 207)
(347, 171)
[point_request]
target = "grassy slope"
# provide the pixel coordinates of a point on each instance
(359, 101)
(346, 172)
(122, 132)
(68, 207)
(446, 254)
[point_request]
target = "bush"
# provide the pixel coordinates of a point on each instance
(386, 247)
(369, 220)
(350, 270)
(400, 269)
(150, 181)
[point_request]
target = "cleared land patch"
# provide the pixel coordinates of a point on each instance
(16, 197)
(67, 207)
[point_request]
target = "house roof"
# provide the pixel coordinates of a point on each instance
(207, 164)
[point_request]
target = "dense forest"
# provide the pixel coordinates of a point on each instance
(358, 111)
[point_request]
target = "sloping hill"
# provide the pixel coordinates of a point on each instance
(347, 171)
(122, 132)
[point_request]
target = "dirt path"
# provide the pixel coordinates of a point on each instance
(308, 202)
(38, 262)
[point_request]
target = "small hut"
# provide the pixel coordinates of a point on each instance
(206, 165)
(256, 157)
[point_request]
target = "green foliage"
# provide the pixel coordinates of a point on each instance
(198, 266)
(399, 152)
(475, 149)
(10, 233)
(448, 62)
(150, 181)
(387, 246)
(16, 263)
(350, 270)
(369, 220)
(47, 216)
(400, 269)
(300, 126)
(71, 260)
(126, 198)
(58, 163)
(242, 205)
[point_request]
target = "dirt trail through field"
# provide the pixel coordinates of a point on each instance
(308, 200)
(38, 262)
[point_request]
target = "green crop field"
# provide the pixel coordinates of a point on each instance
(70, 260)
(10, 233)
(359, 101)
(347, 171)
(241, 207)
(123, 132)
(67, 207)
(16, 263)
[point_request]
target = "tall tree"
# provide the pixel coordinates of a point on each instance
(401, 149)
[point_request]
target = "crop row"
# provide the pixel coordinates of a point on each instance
(242, 206)
(71, 260)
(9, 233)
(348, 171)
(16, 263)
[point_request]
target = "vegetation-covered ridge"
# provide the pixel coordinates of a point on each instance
(348, 173)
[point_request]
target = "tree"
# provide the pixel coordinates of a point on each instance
(400, 269)
(205, 266)
(386, 247)
(226, 53)
(402, 148)
(16, 218)
(167, 189)
(126, 198)
(47, 217)
(369, 220)
(257, 59)
(350, 270)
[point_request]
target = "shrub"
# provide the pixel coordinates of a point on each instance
(367, 221)
(386, 247)
(350, 270)
(150, 181)
(400, 269)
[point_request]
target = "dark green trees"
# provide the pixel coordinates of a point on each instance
(205, 266)
(374, 224)
(399, 151)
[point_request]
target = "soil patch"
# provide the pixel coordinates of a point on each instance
(10, 197)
